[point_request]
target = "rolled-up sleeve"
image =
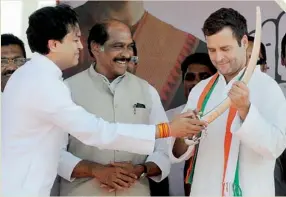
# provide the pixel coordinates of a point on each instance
(160, 154)
(161, 159)
(191, 105)
(67, 161)
(53, 101)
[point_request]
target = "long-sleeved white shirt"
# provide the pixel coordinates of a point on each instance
(176, 177)
(157, 115)
(36, 109)
(262, 137)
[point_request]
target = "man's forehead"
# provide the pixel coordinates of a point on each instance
(75, 30)
(121, 37)
(119, 32)
(223, 38)
(11, 51)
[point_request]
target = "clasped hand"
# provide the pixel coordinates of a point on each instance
(117, 176)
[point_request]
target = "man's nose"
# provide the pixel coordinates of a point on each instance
(80, 46)
(126, 53)
(219, 57)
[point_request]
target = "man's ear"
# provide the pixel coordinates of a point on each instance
(96, 48)
(244, 41)
(53, 45)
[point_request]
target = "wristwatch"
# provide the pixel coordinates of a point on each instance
(144, 174)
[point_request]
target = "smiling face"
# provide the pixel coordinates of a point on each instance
(225, 53)
(66, 52)
(113, 57)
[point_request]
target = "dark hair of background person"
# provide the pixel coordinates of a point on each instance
(283, 45)
(197, 58)
(263, 60)
(9, 39)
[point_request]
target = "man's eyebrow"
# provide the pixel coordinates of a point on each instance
(225, 46)
(117, 42)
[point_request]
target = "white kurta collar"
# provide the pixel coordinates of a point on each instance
(47, 64)
(111, 85)
(221, 77)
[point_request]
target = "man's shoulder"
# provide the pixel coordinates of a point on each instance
(79, 76)
(201, 85)
(261, 80)
(138, 79)
(132, 76)
(30, 78)
(77, 81)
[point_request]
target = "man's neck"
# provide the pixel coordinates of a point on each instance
(56, 61)
(228, 78)
(100, 70)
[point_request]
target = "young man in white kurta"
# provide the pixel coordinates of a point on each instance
(261, 131)
(262, 137)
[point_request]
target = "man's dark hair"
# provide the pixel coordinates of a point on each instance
(99, 33)
(49, 23)
(226, 17)
(262, 49)
(283, 45)
(8, 39)
(197, 58)
(134, 47)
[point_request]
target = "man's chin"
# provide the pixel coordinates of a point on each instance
(223, 72)
(122, 69)
(75, 63)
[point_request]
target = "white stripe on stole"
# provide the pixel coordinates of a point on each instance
(232, 159)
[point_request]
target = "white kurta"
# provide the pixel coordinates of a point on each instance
(172, 113)
(262, 138)
(36, 108)
(176, 177)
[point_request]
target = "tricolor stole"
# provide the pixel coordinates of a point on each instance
(230, 182)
